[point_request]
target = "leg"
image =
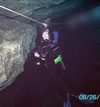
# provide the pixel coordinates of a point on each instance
(64, 75)
(59, 85)
(56, 80)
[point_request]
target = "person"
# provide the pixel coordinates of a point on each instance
(49, 51)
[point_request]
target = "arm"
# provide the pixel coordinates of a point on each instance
(55, 41)
(36, 54)
(45, 25)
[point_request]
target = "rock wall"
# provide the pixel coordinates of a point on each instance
(39, 9)
(15, 42)
(18, 38)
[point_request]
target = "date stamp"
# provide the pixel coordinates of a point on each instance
(89, 97)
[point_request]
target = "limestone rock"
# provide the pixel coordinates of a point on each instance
(15, 42)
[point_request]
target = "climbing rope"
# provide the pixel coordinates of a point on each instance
(20, 14)
(43, 24)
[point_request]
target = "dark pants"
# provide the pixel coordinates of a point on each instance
(59, 73)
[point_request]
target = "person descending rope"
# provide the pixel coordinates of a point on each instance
(49, 51)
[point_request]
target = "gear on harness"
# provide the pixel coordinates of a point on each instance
(38, 63)
(59, 59)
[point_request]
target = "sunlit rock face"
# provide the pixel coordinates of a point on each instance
(18, 38)
(15, 43)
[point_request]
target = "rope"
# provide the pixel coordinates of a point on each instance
(20, 14)
(43, 24)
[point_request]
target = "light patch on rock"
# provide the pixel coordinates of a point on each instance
(15, 44)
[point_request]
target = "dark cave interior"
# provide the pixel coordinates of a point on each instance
(81, 51)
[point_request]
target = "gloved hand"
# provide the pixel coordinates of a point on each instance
(45, 25)
(42, 58)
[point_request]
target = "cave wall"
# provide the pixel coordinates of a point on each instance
(39, 9)
(15, 43)
(18, 38)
